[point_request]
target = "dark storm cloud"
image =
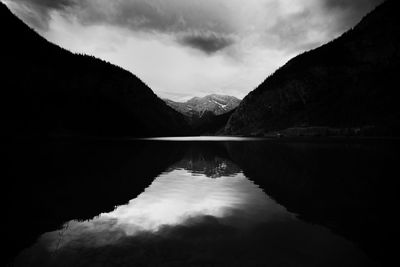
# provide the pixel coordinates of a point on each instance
(174, 17)
(195, 25)
(208, 43)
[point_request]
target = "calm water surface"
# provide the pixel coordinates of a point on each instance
(218, 202)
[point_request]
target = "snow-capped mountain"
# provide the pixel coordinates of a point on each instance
(199, 106)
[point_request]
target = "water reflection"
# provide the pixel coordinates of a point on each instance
(203, 211)
(207, 159)
(203, 138)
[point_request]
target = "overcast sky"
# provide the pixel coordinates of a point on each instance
(186, 48)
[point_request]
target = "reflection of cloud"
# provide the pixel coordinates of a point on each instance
(198, 241)
(186, 220)
(176, 196)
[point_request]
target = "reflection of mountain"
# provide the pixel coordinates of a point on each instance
(208, 159)
(48, 183)
(348, 186)
(185, 220)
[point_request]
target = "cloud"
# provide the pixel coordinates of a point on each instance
(240, 42)
(295, 26)
(294, 32)
(47, 4)
(200, 25)
(37, 12)
(354, 5)
(207, 42)
(212, 25)
(348, 13)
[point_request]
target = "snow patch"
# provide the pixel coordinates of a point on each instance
(221, 105)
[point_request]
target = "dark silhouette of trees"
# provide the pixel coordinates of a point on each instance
(48, 90)
(350, 82)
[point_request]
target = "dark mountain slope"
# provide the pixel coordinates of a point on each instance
(210, 124)
(48, 90)
(351, 82)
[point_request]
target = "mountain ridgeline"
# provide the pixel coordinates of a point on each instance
(346, 87)
(206, 115)
(47, 90)
(198, 106)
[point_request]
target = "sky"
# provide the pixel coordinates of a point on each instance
(187, 48)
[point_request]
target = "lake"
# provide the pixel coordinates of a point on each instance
(200, 202)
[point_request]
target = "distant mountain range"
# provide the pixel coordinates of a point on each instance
(199, 106)
(206, 115)
(47, 90)
(349, 86)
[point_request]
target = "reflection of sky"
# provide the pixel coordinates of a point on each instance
(176, 196)
(172, 199)
(180, 217)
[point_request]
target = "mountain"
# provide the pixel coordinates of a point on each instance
(206, 115)
(346, 87)
(47, 90)
(198, 106)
